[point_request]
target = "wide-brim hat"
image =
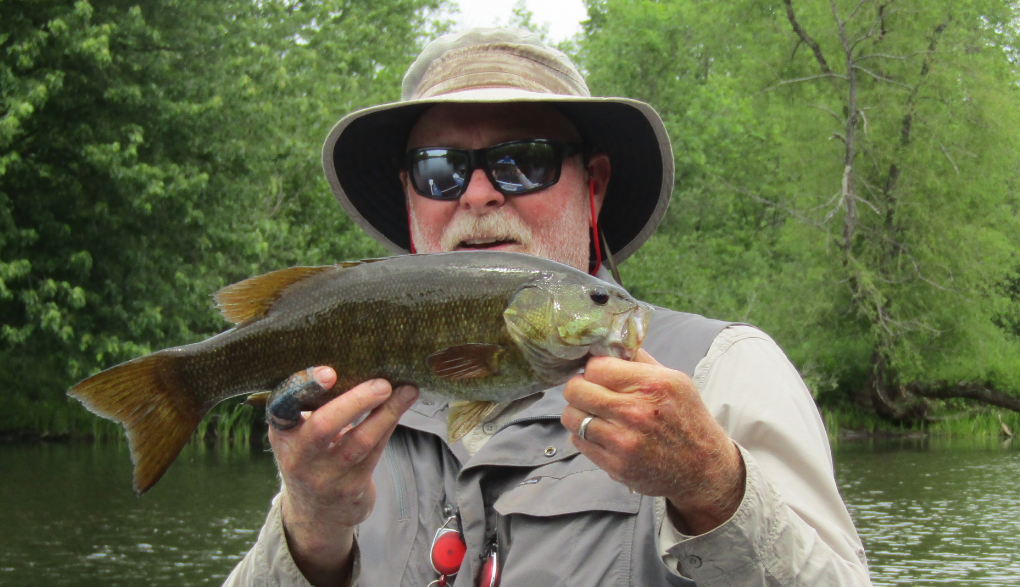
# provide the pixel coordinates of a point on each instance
(363, 154)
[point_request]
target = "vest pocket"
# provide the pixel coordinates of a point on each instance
(567, 523)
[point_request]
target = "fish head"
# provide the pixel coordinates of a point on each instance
(559, 322)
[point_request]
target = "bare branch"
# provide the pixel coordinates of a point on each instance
(881, 77)
(806, 37)
(870, 205)
(830, 112)
(856, 8)
(802, 79)
(951, 162)
(887, 56)
(967, 390)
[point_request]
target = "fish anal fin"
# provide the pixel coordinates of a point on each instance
(258, 400)
(252, 297)
(466, 361)
(463, 416)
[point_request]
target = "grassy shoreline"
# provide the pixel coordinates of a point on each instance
(850, 423)
(231, 422)
(237, 424)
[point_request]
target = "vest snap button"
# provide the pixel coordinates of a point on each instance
(550, 451)
(694, 561)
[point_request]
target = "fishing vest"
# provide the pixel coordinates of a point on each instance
(556, 517)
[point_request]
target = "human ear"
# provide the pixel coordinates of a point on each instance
(599, 171)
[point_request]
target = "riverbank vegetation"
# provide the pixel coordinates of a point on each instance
(846, 179)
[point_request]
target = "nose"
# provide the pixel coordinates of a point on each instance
(480, 196)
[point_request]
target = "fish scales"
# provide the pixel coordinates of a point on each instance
(440, 322)
(364, 326)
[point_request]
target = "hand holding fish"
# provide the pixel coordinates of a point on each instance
(326, 465)
(653, 433)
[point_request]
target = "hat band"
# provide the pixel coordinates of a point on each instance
(498, 66)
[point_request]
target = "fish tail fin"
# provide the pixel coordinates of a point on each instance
(158, 414)
(464, 416)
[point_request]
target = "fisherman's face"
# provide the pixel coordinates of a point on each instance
(554, 222)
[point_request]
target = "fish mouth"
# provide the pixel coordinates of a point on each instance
(628, 332)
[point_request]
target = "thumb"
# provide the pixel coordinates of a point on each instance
(326, 376)
(642, 356)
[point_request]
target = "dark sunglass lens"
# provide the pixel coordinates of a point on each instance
(439, 173)
(522, 167)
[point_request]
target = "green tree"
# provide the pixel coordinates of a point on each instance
(846, 179)
(153, 151)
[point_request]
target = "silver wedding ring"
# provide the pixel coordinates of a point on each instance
(584, 426)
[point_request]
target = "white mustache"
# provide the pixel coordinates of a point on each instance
(501, 225)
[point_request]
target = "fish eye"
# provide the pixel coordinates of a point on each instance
(599, 295)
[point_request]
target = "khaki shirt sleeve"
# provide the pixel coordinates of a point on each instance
(792, 527)
(269, 563)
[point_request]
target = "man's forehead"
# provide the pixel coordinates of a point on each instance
(473, 126)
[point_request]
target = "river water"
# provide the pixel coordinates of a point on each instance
(930, 513)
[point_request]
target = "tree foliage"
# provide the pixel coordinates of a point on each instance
(846, 173)
(154, 151)
(846, 179)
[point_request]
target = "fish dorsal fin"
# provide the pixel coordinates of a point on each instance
(464, 416)
(252, 297)
(466, 361)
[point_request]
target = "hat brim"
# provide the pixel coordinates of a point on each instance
(363, 155)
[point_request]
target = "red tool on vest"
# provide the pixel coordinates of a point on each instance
(447, 555)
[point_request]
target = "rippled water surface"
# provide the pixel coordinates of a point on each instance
(929, 513)
(70, 517)
(935, 513)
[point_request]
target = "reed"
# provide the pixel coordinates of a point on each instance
(232, 422)
(985, 422)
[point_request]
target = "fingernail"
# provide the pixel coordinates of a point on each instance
(407, 393)
(380, 386)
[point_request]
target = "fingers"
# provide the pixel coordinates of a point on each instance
(642, 356)
(598, 429)
(597, 400)
(619, 375)
(355, 445)
(326, 376)
(325, 423)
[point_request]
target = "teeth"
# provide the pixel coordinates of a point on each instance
(483, 241)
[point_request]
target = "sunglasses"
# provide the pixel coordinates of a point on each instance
(514, 168)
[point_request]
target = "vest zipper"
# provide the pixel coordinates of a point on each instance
(398, 482)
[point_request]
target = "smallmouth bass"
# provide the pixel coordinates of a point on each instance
(474, 327)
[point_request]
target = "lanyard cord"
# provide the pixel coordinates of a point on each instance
(594, 226)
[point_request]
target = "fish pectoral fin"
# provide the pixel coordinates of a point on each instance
(254, 296)
(258, 400)
(466, 361)
(464, 416)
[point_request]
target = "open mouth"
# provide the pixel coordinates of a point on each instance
(485, 243)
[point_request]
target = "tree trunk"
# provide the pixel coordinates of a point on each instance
(971, 390)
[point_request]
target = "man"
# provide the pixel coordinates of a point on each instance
(706, 464)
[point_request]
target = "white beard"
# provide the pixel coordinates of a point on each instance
(567, 241)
